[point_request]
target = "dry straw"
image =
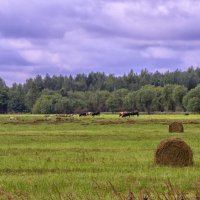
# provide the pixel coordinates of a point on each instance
(176, 127)
(173, 152)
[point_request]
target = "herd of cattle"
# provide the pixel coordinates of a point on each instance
(128, 114)
(89, 114)
(121, 114)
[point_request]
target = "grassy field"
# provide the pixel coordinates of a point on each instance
(85, 157)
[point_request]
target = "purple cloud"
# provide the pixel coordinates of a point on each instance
(69, 37)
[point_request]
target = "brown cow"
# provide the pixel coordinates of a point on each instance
(122, 113)
(127, 114)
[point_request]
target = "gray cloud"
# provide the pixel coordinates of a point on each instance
(8, 57)
(68, 37)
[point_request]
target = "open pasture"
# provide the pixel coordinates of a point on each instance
(41, 158)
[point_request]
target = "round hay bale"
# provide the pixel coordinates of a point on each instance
(173, 152)
(176, 127)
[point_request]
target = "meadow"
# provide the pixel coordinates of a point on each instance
(91, 157)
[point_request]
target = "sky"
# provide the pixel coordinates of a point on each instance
(111, 36)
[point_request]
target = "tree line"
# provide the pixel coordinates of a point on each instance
(146, 91)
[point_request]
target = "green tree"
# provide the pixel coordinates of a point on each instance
(3, 100)
(132, 81)
(178, 93)
(32, 92)
(45, 104)
(81, 82)
(130, 101)
(16, 102)
(146, 98)
(192, 78)
(64, 105)
(169, 103)
(110, 83)
(3, 96)
(144, 77)
(192, 100)
(158, 100)
(78, 101)
(97, 100)
(115, 101)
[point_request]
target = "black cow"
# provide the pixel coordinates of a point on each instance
(95, 113)
(135, 113)
(83, 114)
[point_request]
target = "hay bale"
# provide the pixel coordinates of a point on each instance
(176, 127)
(173, 152)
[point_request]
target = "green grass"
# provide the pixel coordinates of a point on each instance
(82, 155)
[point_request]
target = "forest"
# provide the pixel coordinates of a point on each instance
(177, 91)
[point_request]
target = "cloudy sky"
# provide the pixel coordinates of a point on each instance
(114, 36)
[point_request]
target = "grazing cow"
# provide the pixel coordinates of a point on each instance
(135, 113)
(89, 113)
(95, 113)
(83, 114)
(126, 114)
(121, 113)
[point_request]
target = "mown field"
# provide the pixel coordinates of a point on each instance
(84, 158)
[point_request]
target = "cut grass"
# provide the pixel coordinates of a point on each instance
(77, 155)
